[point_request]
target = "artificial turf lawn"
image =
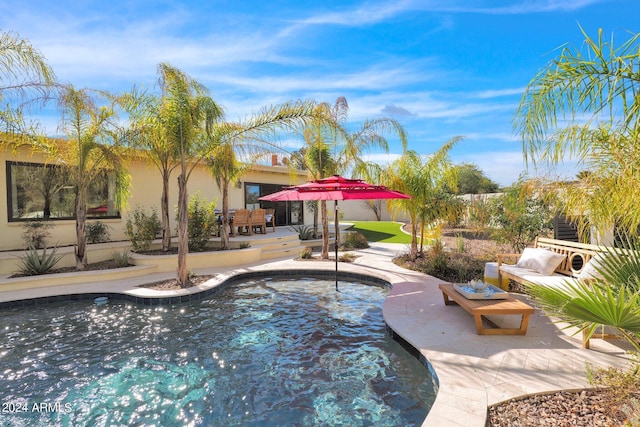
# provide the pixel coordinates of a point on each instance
(381, 231)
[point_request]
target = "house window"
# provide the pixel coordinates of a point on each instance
(287, 213)
(37, 191)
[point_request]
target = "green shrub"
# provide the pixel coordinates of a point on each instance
(142, 228)
(97, 232)
(437, 257)
(121, 259)
(36, 233)
(519, 217)
(202, 223)
(355, 240)
(35, 263)
(305, 232)
(306, 253)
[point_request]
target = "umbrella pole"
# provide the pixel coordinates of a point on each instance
(335, 218)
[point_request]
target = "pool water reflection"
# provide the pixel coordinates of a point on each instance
(262, 352)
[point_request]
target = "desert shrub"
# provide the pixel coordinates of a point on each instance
(97, 232)
(306, 253)
(142, 228)
(355, 240)
(459, 243)
(450, 266)
(34, 262)
(348, 257)
(121, 259)
(304, 231)
(202, 222)
(621, 387)
(36, 233)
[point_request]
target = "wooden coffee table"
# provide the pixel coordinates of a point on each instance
(479, 308)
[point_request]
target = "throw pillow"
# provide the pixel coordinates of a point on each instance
(589, 271)
(540, 260)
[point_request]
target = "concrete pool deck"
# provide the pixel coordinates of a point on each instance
(473, 371)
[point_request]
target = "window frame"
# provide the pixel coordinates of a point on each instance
(10, 190)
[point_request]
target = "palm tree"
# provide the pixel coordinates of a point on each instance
(583, 105)
(187, 115)
(184, 126)
(25, 77)
(593, 94)
(320, 164)
(333, 149)
(252, 138)
(426, 181)
(91, 151)
(225, 169)
(147, 132)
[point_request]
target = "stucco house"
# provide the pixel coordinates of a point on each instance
(32, 190)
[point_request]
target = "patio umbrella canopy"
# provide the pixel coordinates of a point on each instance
(335, 188)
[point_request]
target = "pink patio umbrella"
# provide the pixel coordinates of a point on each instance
(335, 188)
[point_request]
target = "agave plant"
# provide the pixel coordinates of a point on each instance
(305, 232)
(611, 299)
(35, 262)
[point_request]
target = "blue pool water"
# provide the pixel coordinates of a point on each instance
(266, 352)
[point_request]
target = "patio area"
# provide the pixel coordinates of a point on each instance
(473, 371)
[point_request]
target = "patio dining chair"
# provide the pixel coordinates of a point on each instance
(258, 220)
(270, 217)
(242, 220)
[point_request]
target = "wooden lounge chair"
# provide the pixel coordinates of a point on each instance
(270, 217)
(242, 220)
(259, 221)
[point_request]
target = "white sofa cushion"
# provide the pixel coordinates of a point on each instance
(589, 270)
(540, 260)
(528, 275)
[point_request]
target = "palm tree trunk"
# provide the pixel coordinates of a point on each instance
(164, 207)
(315, 220)
(413, 252)
(183, 236)
(224, 227)
(325, 230)
(81, 230)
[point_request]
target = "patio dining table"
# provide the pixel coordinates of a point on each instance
(220, 217)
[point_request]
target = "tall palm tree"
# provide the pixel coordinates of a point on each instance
(426, 180)
(25, 77)
(225, 169)
(583, 104)
(252, 138)
(184, 126)
(320, 164)
(91, 150)
(24, 71)
(147, 132)
(188, 115)
(335, 150)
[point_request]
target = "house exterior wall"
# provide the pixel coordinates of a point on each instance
(145, 192)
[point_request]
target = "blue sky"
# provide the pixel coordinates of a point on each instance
(442, 68)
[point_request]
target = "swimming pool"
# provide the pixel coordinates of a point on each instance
(259, 352)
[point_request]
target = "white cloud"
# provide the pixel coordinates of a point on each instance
(497, 93)
(364, 14)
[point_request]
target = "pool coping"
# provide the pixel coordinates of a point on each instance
(472, 371)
